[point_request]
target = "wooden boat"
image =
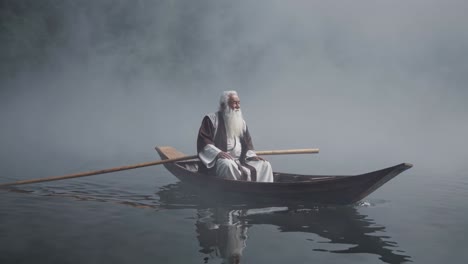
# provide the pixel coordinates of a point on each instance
(327, 189)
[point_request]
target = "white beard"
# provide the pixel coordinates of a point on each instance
(234, 122)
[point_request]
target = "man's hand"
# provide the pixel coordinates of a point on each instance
(256, 158)
(224, 155)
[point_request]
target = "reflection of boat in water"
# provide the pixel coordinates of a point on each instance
(340, 225)
(222, 227)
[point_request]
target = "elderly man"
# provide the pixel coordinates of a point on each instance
(225, 147)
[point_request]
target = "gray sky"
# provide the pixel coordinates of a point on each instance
(370, 83)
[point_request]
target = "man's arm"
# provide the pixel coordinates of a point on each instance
(205, 134)
(207, 151)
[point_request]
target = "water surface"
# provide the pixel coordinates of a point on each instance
(147, 216)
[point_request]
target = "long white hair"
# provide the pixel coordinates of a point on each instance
(233, 119)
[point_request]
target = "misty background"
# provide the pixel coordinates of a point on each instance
(370, 83)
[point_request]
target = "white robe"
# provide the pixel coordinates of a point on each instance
(231, 169)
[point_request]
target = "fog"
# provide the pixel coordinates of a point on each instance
(370, 83)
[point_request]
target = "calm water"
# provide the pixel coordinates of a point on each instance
(365, 81)
(146, 216)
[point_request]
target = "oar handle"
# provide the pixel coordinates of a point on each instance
(289, 151)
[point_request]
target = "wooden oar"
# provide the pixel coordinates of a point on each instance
(287, 151)
(146, 164)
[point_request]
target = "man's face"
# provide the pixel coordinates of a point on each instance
(234, 102)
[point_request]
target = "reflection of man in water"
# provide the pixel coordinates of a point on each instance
(222, 234)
